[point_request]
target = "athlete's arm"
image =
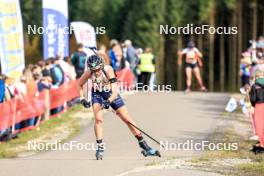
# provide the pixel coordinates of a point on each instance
(199, 56)
(180, 54)
(84, 78)
(113, 84)
(180, 57)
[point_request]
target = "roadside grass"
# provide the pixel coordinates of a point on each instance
(46, 131)
(254, 169)
(229, 133)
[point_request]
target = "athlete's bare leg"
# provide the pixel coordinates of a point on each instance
(123, 114)
(98, 125)
(188, 72)
(197, 74)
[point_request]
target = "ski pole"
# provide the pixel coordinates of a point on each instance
(150, 137)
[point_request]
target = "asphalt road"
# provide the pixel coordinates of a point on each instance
(173, 117)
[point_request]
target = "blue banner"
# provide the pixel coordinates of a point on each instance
(56, 26)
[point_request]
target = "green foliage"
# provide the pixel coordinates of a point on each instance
(142, 23)
(139, 21)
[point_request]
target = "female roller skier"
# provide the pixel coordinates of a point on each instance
(104, 95)
(193, 60)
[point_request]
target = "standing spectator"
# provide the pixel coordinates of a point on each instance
(257, 101)
(64, 66)
(131, 56)
(245, 66)
(2, 88)
(102, 52)
(57, 76)
(117, 50)
(146, 66)
(42, 82)
(116, 55)
(30, 83)
(72, 73)
(46, 69)
(112, 56)
(21, 86)
(10, 87)
(57, 73)
(78, 60)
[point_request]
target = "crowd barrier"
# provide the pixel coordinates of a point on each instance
(26, 107)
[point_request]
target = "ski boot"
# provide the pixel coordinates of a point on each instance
(99, 152)
(147, 150)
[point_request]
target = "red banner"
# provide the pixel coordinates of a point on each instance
(126, 77)
(26, 107)
(64, 93)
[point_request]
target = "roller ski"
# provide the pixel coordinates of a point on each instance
(99, 152)
(147, 150)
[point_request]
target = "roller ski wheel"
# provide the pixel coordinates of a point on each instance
(151, 152)
(147, 150)
(99, 155)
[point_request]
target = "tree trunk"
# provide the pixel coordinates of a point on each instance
(212, 47)
(255, 15)
(200, 47)
(179, 70)
(240, 37)
(222, 63)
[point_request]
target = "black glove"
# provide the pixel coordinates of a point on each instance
(85, 103)
(106, 104)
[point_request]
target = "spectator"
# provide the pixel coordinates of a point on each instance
(257, 101)
(131, 56)
(10, 88)
(116, 55)
(146, 66)
(30, 83)
(21, 86)
(112, 56)
(78, 60)
(57, 73)
(42, 82)
(245, 67)
(46, 69)
(64, 66)
(102, 52)
(2, 88)
(72, 73)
